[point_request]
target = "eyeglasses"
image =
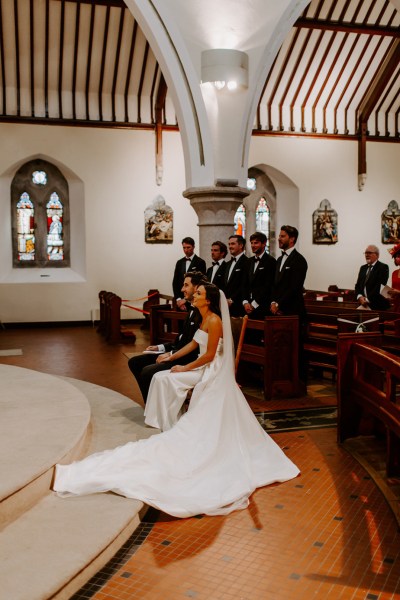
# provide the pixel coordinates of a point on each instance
(369, 252)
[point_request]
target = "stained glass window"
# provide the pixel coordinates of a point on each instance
(39, 177)
(25, 228)
(40, 216)
(263, 219)
(55, 244)
(240, 221)
(251, 184)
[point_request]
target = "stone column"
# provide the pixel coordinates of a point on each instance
(215, 208)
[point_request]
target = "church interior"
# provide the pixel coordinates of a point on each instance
(199, 111)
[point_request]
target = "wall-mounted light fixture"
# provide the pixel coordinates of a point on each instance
(225, 67)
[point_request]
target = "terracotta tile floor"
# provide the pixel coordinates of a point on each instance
(328, 534)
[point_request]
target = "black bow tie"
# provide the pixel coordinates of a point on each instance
(233, 259)
(257, 259)
(284, 253)
(215, 264)
(189, 259)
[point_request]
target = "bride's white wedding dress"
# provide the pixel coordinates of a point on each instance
(210, 462)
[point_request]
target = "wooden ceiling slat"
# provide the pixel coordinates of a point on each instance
(279, 78)
(76, 51)
(326, 25)
(140, 89)
(329, 71)
(2, 59)
(32, 56)
(116, 62)
(353, 76)
(153, 87)
(61, 60)
(17, 57)
(129, 70)
(160, 99)
(392, 103)
(103, 62)
(380, 81)
(89, 59)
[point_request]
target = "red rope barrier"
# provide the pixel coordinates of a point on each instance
(145, 312)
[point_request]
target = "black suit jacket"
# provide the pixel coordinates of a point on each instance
(196, 264)
(259, 284)
(235, 286)
(219, 278)
(378, 276)
(289, 285)
(190, 326)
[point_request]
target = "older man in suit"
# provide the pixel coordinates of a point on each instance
(190, 262)
(370, 278)
(146, 365)
(216, 273)
(236, 276)
(260, 278)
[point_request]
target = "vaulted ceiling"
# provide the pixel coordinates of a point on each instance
(87, 62)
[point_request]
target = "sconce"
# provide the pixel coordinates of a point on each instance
(225, 67)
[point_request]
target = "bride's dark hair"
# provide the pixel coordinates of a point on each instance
(212, 294)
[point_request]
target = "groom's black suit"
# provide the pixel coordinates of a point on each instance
(378, 276)
(144, 366)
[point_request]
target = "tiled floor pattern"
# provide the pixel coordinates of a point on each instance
(327, 534)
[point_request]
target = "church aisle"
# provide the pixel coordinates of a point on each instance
(327, 534)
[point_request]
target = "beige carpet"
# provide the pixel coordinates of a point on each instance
(12, 352)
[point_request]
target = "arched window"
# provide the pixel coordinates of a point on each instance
(263, 219)
(240, 221)
(40, 216)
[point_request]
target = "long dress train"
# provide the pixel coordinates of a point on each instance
(210, 462)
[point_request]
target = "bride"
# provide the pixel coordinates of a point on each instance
(212, 459)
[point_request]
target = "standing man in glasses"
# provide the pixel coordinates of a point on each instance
(371, 277)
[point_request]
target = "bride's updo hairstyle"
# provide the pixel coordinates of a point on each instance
(212, 294)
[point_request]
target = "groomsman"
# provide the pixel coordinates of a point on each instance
(190, 262)
(236, 275)
(216, 273)
(260, 278)
(291, 270)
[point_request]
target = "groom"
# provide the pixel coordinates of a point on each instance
(145, 366)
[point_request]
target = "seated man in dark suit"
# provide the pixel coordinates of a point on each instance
(370, 278)
(145, 366)
(190, 262)
(260, 278)
(216, 273)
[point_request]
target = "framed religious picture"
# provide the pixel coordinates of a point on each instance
(390, 224)
(325, 224)
(158, 222)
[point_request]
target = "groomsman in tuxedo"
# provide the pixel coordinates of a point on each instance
(288, 290)
(370, 278)
(260, 278)
(216, 273)
(291, 269)
(146, 365)
(190, 262)
(236, 275)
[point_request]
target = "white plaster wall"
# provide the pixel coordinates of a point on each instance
(117, 168)
(328, 169)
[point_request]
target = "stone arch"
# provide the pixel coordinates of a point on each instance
(282, 196)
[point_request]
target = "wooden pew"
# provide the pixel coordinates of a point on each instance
(278, 356)
(323, 328)
(368, 394)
